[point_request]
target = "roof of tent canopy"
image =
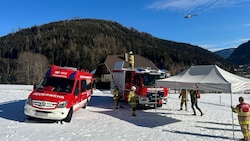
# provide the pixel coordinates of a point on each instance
(207, 78)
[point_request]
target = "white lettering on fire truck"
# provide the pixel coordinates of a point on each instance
(86, 77)
(154, 89)
(64, 76)
(61, 73)
(48, 95)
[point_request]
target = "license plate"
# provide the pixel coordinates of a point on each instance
(42, 114)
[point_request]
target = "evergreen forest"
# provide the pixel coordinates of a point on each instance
(85, 43)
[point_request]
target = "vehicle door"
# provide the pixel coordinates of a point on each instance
(77, 92)
(84, 89)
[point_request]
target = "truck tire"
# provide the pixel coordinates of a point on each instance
(69, 116)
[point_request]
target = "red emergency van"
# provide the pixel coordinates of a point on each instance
(61, 92)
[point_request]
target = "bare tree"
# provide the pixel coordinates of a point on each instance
(31, 67)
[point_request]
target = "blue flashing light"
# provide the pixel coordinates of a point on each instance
(140, 69)
(72, 76)
(48, 73)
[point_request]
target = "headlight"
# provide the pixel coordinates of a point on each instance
(62, 104)
(29, 101)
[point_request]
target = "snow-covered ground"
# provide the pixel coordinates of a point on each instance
(100, 122)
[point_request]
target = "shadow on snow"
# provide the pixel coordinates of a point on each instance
(13, 110)
(218, 123)
(198, 134)
(148, 119)
(209, 128)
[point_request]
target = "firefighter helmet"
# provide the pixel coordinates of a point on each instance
(133, 88)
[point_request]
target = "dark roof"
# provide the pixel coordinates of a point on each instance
(140, 62)
(110, 61)
(108, 66)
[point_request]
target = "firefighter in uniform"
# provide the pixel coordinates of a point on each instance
(132, 59)
(184, 98)
(116, 96)
(132, 98)
(243, 111)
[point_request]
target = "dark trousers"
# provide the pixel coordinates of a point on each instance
(116, 103)
(196, 106)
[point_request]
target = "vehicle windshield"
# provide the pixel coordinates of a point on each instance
(56, 84)
(149, 79)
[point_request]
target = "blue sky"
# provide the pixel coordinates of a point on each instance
(219, 24)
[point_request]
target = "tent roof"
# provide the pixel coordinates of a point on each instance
(208, 78)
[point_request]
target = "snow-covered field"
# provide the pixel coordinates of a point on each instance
(100, 122)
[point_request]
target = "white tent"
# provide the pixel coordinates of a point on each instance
(207, 78)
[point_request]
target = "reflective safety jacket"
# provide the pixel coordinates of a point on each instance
(116, 93)
(243, 111)
(183, 95)
(132, 98)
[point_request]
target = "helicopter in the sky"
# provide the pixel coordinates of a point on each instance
(190, 15)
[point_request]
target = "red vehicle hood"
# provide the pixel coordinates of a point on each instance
(47, 96)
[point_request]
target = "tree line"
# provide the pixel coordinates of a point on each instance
(85, 43)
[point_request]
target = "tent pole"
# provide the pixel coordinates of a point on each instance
(232, 113)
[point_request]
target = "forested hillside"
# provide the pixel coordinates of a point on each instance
(241, 54)
(85, 43)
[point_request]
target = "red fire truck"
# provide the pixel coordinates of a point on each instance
(144, 81)
(62, 91)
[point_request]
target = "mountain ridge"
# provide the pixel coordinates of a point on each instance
(225, 53)
(241, 54)
(85, 43)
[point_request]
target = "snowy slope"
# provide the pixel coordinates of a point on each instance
(100, 122)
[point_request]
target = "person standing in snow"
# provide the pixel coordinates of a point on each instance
(184, 97)
(243, 111)
(194, 101)
(116, 96)
(132, 98)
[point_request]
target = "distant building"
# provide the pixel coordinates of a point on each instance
(102, 74)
